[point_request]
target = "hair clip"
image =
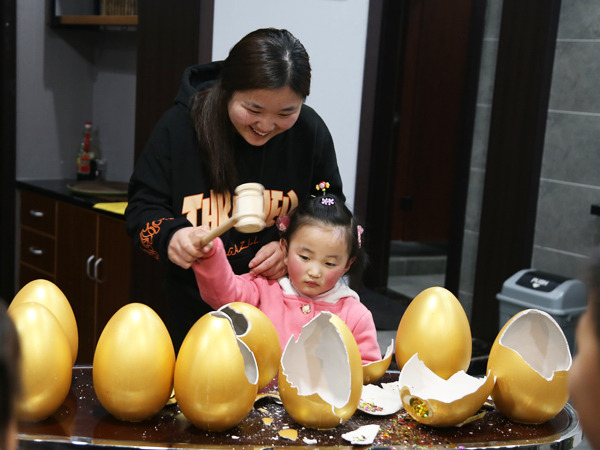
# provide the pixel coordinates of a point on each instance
(359, 231)
(322, 186)
(327, 201)
(282, 223)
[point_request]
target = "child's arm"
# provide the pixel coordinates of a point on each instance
(218, 284)
(366, 337)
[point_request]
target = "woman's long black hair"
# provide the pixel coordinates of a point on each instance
(267, 58)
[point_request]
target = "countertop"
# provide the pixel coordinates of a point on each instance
(59, 190)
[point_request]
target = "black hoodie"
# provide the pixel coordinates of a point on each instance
(170, 189)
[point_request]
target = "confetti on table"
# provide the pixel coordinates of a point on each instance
(289, 433)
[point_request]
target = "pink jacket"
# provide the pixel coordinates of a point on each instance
(288, 311)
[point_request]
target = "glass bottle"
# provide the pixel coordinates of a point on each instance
(87, 154)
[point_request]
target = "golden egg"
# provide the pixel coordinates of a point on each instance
(48, 294)
(133, 364)
(253, 327)
(436, 327)
(434, 401)
(530, 359)
(216, 375)
(46, 368)
(373, 371)
(321, 376)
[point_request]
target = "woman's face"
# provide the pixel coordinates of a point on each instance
(260, 114)
(584, 379)
(316, 258)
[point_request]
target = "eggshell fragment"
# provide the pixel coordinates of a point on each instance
(436, 327)
(320, 377)
(133, 364)
(373, 371)
(254, 328)
(216, 375)
(45, 365)
(434, 401)
(530, 359)
(49, 294)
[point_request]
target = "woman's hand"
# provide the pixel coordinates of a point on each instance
(268, 261)
(185, 246)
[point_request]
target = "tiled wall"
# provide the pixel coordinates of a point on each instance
(570, 179)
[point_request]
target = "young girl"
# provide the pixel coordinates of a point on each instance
(584, 376)
(321, 242)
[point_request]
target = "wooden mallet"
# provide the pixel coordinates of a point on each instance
(249, 213)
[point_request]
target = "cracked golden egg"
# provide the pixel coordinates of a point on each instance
(530, 359)
(436, 327)
(373, 371)
(253, 327)
(48, 294)
(133, 364)
(45, 366)
(216, 375)
(321, 375)
(434, 401)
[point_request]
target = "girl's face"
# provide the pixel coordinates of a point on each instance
(584, 379)
(260, 114)
(316, 258)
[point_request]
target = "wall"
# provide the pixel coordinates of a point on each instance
(565, 230)
(570, 181)
(64, 78)
(334, 35)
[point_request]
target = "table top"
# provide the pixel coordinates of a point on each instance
(82, 420)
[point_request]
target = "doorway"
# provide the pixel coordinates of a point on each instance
(423, 58)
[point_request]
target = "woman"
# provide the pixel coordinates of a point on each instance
(236, 121)
(584, 376)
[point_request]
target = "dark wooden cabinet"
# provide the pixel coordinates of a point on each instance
(87, 254)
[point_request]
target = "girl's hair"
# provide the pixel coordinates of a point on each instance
(9, 381)
(267, 58)
(592, 279)
(329, 209)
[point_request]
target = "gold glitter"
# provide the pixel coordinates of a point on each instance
(419, 407)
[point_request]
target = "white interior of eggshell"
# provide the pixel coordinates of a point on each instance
(380, 401)
(241, 325)
(317, 362)
(250, 364)
(540, 341)
(422, 382)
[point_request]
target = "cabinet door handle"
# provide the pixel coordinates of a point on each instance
(87, 267)
(96, 264)
(36, 251)
(35, 213)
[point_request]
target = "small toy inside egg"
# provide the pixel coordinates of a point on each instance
(216, 375)
(255, 328)
(133, 364)
(436, 327)
(434, 401)
(321, 376)
(530, 359)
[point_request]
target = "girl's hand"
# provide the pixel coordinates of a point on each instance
(268, 261)
(185, 248)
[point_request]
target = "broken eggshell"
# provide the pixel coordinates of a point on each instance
(530, 359)
(373, 371)
(320, 376)
(434, 401)
(436, 327)
(216, 374)
(255, 328)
